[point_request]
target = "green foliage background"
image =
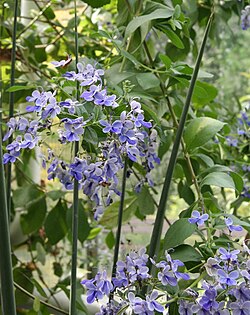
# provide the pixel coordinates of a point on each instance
(148, 49)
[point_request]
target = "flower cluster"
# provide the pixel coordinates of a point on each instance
(27, 137)
(223, 289)
(131, 274)
(226, 288)
(245, 18)
(128, 135)
(240, 141)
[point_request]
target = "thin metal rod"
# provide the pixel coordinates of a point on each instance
(119, 221)
(75, 201)
(11, 101)
(158, 225)
(8, 303)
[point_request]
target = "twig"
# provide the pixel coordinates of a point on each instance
(41, 301)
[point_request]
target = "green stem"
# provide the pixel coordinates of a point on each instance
(34, 20)
(157, 230)
(41, 301)
(193, 284)
(119, 221)
(11, 101)
(176, 124)
(75, 201)
(6, 277)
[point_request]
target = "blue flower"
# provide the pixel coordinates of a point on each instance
(228, 278)
(185, 308)
(29, 142)
(240, 308)
(232, 142)
(93, 292)
(227, 255)
(152, 304)
(220, 310)
(88, 95)
(166, 276)
(135, 302)
(208, 300)
(231, 227)
(88, 75)
(70, 105)
(245, 18)
(13, 124)
(77, 168)
(62, 63)
(139, 121)
(101, 98)
(74, 128)
(52, 109)
(15, 145)
(197, 218)
(40, 100)
(242, 292)
(10, 157)
(241, 132)
(199, 310)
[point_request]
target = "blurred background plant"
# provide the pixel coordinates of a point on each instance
(148, 53)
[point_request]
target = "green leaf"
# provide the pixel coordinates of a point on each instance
(175, 39)
(177, 11)
(217, 168)
(145, 202)
(41, 253)
(114, 76)
(55, 194)
(26, 194)
(200, 130)
(15, 88)
(39, 288)
(94, 232)
(147, 80)
(140, 20)
(130, 57)
(33, 219)
(218, 179)
(164, 145)
(204, 93)
(110, 240)
(186, 192)
(97, 3)
(55, 224)
(186, 253)
(166, 60)
(150, 114)
(49, 13)
(238, 181)
(174, 309)
(178, 232)
(22, 277)
(109, 218)
(205, 159)
(36, 304)
(90, 136)
(58, 270)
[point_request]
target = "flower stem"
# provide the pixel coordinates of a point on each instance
(11, 100)
(41, 301)
(157, 230)
(119, 221)
(75, 201)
